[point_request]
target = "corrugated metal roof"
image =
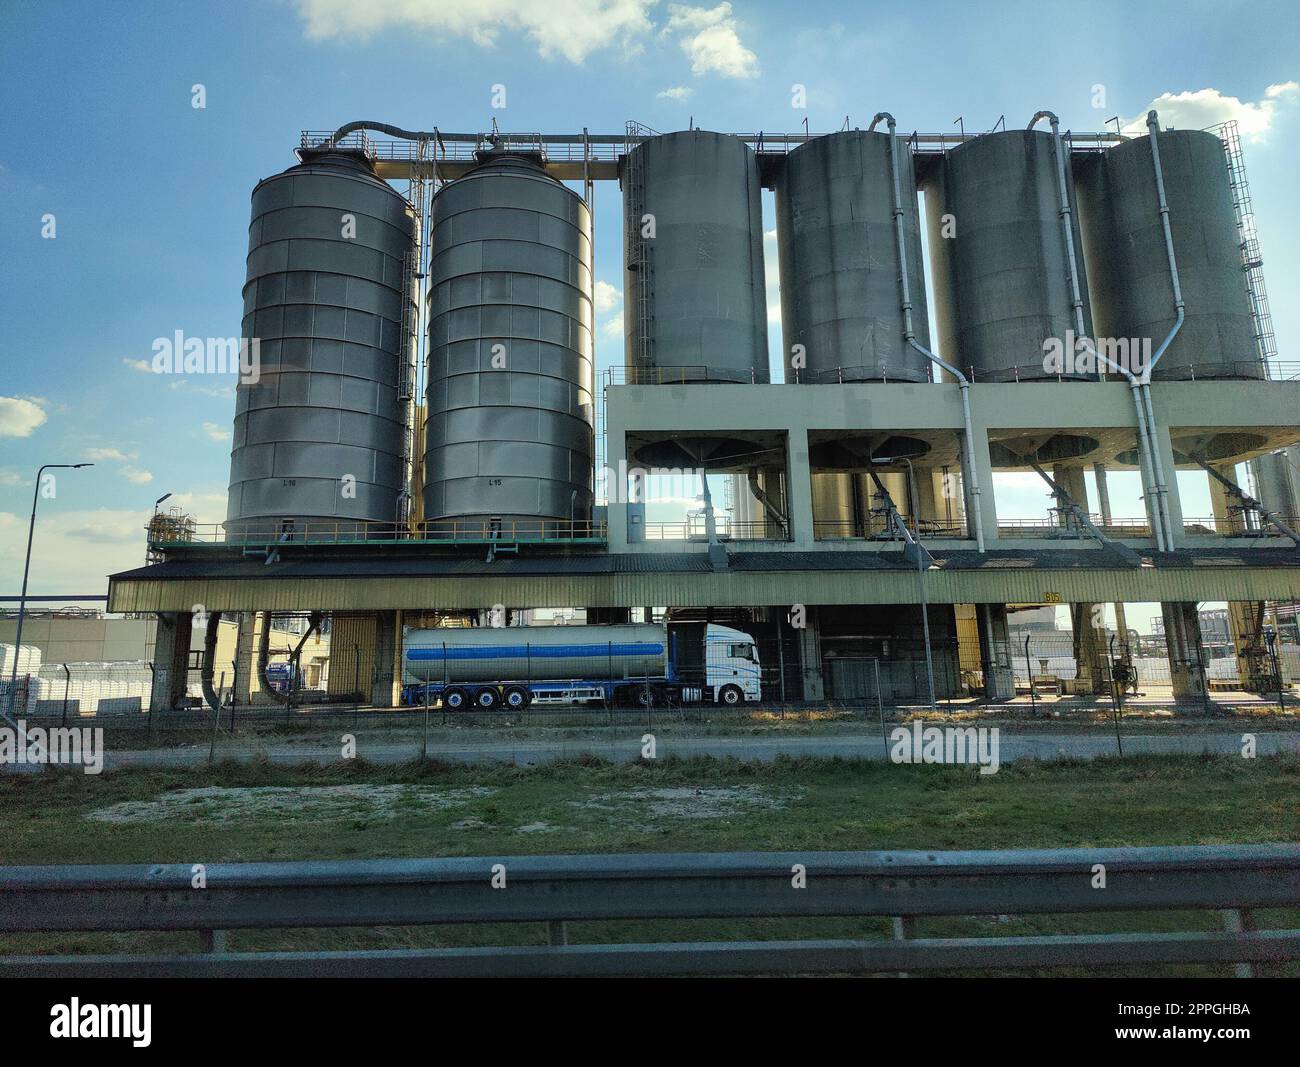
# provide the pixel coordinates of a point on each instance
(685, 580)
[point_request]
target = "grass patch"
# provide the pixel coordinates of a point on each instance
(243, 812)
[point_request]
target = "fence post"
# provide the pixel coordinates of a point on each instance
(880, 707)
(1239, 921)
(216, 720)
(67, 684)
(1029, 667)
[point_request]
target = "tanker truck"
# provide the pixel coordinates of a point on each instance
(514, 666)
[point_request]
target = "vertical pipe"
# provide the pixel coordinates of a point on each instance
(976, 517)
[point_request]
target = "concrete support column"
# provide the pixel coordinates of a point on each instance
(171, 659)
(1183, 639)
(1166, 447)
(984, 469)
(245, 680)
(1089, 649)
(387, 689)
(799, 490)
(616, 511)
(995, 652)
(810, 656)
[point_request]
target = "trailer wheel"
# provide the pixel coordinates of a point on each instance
(731, 695)
(486, 699)
(455, 699)
(517, 698)
(646, 697)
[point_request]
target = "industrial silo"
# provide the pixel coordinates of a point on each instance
(1129, 268)
(509, 431)
(1001, 267)
(840, 265)
(695, 301)
(321, 436)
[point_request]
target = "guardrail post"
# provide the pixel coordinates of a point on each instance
(557, 932)
(1239, 921)
(904, 930)
(212, 940)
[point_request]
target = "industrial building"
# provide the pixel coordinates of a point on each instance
(428, 438)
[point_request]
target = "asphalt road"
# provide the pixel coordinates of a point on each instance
(532, 752)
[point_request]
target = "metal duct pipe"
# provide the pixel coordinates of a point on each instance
(975, 515)
(263, 654)
(1157, 467)
(1146, 439)
(208, 667)
(383, 127)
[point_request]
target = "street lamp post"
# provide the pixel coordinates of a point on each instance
(27, 564)
(920, 566)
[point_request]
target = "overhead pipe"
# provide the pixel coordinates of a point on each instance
(1153, 130)
(207, 669)
(263, 655)
(975, 512)
(1147, 454)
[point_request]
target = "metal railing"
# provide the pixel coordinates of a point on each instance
(693, 529)
(360, 531)
(621, 375)
(878, 530)
(555, 890)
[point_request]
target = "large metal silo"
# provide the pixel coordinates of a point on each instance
(1001, 267)
(1129, 269)
(839, 260)
(322, 435)
(509, 431)
(695, 301)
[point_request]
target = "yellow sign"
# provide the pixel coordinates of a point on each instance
(1051, 598)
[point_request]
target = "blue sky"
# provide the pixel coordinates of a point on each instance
(150, 195)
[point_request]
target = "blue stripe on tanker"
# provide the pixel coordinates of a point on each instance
(534, 651)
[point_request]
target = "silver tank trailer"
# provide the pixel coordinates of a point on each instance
(536, 653)
(1125, 249)
(1002, 283)
(839, 260)
(695, 298)
(319, 438)
(510, 281)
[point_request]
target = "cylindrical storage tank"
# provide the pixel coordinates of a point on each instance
(1277, 481)
(319, 438)
(695, 297)
(509, 430)
(840, 297)
(1001, 269)
(1129, 267)
(519, 653)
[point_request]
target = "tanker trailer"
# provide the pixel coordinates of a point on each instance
(514, 666)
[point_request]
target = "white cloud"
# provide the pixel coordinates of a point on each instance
(136, 475)
(772, 273)
(215, 432)
(710, 37)
(99, 455)
(677, 92)
(142, 365)
(1195, 110)
(12, 480)
(607, 298)
(19, 416)
(612, 328)
(572, 29)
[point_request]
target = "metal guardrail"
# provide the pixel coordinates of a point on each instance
(1231, 879)
(362, 531)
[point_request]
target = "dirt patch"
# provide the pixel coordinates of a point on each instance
(228, 804)
(706, 802)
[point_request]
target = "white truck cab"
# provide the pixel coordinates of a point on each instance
(732, 672)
